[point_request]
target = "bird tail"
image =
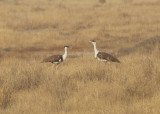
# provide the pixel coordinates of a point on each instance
(117, 61)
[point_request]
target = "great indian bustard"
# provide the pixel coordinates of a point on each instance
(102, 56)
(57, 59)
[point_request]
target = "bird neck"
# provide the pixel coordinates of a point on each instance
(65, 54)
(95, 50)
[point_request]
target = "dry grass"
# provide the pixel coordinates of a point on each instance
(51, 24)
(81, 85)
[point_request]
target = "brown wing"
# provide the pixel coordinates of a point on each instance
(108, 57)
(53, 58)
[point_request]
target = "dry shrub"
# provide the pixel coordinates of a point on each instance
(80, 83)
(6, 96)
(146, 85)
(14, 78)
(56, 23)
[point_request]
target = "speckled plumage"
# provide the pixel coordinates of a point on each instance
(56, 59)
(106, 57)
(102, 56)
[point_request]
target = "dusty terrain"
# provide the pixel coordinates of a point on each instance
(32, 30)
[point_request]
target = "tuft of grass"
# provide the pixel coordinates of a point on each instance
(6, 96)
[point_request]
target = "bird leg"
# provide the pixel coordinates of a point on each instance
(108, 62)
(56, 69)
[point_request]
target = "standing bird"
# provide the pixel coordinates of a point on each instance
(57, 59)
(102, 56)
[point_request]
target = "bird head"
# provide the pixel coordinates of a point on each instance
(66, 46)
(92, 41)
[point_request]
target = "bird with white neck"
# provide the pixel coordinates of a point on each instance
(102, 56)
(57, 59)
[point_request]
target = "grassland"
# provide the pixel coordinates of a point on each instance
(32, 30)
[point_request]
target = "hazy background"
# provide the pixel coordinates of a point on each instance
(33, 29)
